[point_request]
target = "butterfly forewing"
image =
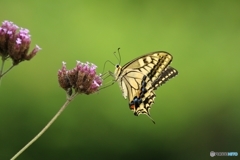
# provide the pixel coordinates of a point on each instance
(151, 64)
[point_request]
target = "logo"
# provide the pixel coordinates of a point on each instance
(212, 154)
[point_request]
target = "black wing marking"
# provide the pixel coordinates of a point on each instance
(166, 75)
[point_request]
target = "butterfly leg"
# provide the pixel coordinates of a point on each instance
(105, 76)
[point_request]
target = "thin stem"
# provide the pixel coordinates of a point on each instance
(1, 69)
(46, 127)
(6, 71)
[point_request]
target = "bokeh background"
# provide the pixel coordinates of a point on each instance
(195, 113)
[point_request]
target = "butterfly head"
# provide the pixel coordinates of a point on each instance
(117, 71)
(118, 67)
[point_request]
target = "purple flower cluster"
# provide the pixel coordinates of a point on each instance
(83, 78)
(15, 43)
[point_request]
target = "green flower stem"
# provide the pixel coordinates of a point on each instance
(1, 69)
(46, 127)
(1, 75)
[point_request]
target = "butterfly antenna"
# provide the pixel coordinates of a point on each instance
(118, 57)
(151, 118)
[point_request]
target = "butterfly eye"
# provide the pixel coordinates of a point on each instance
(117, 66)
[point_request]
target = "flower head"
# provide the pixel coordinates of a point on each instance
(82, 78)
(15, 43)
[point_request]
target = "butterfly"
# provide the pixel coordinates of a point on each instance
(139, 78)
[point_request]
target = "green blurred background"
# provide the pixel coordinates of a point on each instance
(195, 113)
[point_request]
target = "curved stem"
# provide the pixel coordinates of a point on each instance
(46, 127)
(1, 69)
(6, 71)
